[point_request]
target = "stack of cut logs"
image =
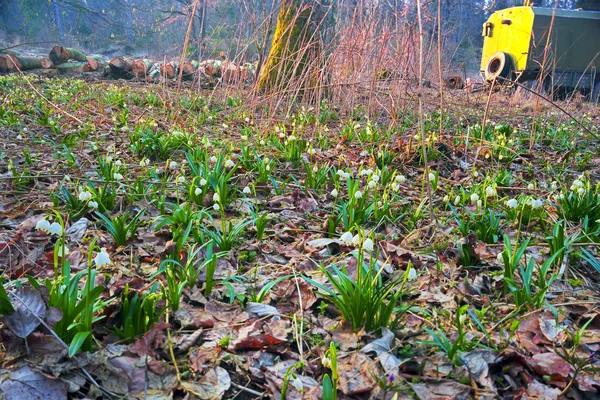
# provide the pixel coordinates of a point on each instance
(67, 60)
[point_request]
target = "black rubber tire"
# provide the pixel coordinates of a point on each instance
(499, 65)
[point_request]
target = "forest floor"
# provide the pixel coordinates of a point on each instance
(185, 246)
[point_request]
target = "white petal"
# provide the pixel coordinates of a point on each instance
(55, 228)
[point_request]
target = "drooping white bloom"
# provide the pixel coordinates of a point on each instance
(334, 192)
(118, 163)
(43, 225)
(202, 182)
(216, 197)
(173, 165)
(356, 240)
(181, 179)
(262, 142)
(368, 244)
(346, 237)
(531, 186)
(580, 191)
(431, 177)
(198, 191)
(512, 203)
(229, 163)
(372, 184)
(297, 383)
(474, 198)
(247, 190)
(63, 250)
(400, 178)
(412, 274)
(102, 258)
(93, 204)
(117, 176)
(55, 228)
(144, 162)
(358, 194)
(490, 191)
(213, 159)
(244, 137)
(216, 207)
(456, 200)
(446, 199)
(395, 187)
(326, 361)
(375, 178)
(536, 203)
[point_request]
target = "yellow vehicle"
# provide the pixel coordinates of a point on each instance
(517, 43)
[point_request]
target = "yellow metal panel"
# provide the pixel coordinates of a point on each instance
(508, 31)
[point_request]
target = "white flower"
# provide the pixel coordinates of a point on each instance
(554, 185)
(536, 203)
(244, 137)
(117, 176)
(581, 190)
(43, 225)
(456, 200)
(311, 151)
(93, 204)
(216, 197)
(144, 162)
(225, 126)
(297, 383)
(55, 228)
(577, 183)
(462, 318)
(346, 238)
(262, 142)
(181, 179)
(395, 187)
(229, 163)
(400, 178)
(475, 174)
(474, 198)
(334, 192)
(268, 167)
(102, 258)
(412, 274)
(326, 361)
(490, 191)
(368, 244)
(499, 257)
(202, 182)
(63, 250)
(19, 137)
(531, 186)
(213, 159)
(358, 194)
(372, 184)
(85, 196)
(431, 177)
(247, 190)
(356, 240)
(216, 207)
(375, 178)
(118, 163)
(173, 165)
(446, 199)
(512, 203)
(198, 191)
(479, 203)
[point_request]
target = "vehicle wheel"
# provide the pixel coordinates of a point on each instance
(499, 65)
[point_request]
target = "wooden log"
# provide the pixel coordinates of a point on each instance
(20, 63)
(47, 63)
(167, 70)
(154, 73)
(93, 63)
(4, 64)
(70, 67)
(121, 66)
(188, 70)
(60, 55)
(140, 68)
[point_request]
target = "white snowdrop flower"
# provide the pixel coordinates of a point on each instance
(363, 172)
(247, 190)
(400, 178)
(109, 158)
(55, 228)
(229, 163)
(372, 184)
(262, 142)
(368, 244)
(43, 225)
(356, 126)
(537, 203)
(326, 361)
(210, 118)
(577, 183)
(268, 168)
(560, 196)
(554, 185)
(475, 174)
(431, 177)
(198, 191)
(117, 176)
(292, 138)
(225, 126)
(144, 162)
(244, 137)
(216, 207)
(315, 168)
(356, 240)
(512, 203)
(297, 383)
(395, 187)
(102, 258)
(202, 182)
(474, 198)
(216, 197)
(531, 186)
(312, 151)
(490, 191)
(118, 163)
(181, 179)
(334, 192)
(247, 119)
(375, 178)
(446, 199)
(358, 194)
(580, 191)
(412, 274)
(479, 203)
(63, 250)
(499, 257)
(346, 237)
(85, 196)
(19, 137)
(456, 200)
(93, 204)
(213, 159)
(173, 165)
(462, 318)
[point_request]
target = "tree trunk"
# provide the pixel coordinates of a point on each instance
(140, 68)
(188, 69)
(296, 45)
(93, 63)
(10, 62)
(167, 70)
(60, 55)
(121, 66)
